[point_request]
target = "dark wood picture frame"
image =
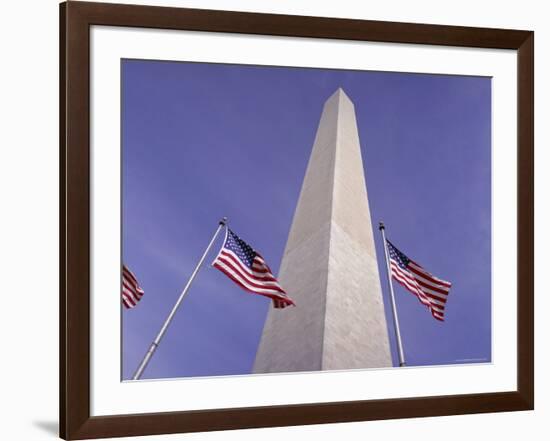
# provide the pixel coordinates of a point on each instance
(75, 21)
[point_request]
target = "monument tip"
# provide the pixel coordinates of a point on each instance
(340, 94)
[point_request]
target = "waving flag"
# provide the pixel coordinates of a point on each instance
(131, 291)
(430, 290)
(248, 269)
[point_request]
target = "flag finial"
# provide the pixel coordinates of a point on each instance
(223, 221)
(381, 225)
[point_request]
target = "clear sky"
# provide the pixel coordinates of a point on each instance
(202, 141)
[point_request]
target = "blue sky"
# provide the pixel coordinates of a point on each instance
(202, 141)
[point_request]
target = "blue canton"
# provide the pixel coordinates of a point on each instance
(397, 256)
(244, 251)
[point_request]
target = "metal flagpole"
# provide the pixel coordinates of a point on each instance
(156, 341)
(392, 297)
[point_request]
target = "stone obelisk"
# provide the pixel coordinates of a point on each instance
(329, 265)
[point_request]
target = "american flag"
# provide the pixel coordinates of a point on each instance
(430, 290)
(248, 269)
(131, 291)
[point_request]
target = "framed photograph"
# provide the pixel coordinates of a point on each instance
(272, 220)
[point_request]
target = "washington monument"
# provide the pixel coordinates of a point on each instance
(329, 265)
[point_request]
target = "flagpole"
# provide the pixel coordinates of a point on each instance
(392, 297)
(156, 341)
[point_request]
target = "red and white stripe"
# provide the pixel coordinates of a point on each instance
(259, 279)
(431, 291)
(131, 291)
